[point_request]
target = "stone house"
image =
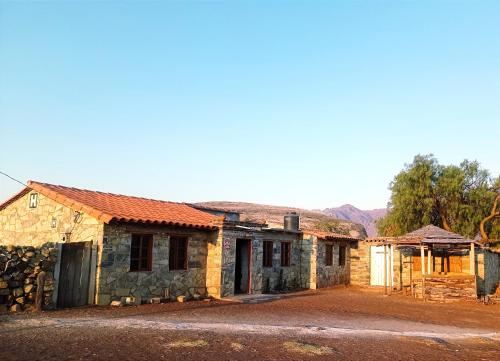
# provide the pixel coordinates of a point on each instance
(111, 246)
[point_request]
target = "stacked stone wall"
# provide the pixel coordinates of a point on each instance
(19, 270)
(115, 280)
(335, 274)
(360, 264)
(278, 278)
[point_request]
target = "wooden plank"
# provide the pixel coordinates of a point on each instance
(40, 283)
(85, 273)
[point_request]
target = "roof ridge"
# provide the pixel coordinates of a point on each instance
(101, 192)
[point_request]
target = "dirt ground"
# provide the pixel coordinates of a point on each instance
(333, 324)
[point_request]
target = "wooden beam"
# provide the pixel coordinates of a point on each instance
(422, 259)
(385, 269)
(472, 257)
(429, 260)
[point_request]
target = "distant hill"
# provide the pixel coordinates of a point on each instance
(273, 215)
(350, 213)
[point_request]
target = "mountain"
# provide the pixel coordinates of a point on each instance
(350, 213)
(273, 215)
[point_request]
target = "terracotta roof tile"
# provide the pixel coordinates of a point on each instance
(330, 235)
(107, 207)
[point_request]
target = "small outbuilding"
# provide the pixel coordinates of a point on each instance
(433, 264)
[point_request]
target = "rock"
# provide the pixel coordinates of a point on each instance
(28, 288)
(196, 297)
(127, 301)
(20, 300)
(16, 308)
(17, 292)
(3, 284)
(181, 299)
(116, 303)
(155, 300)
(29, 254)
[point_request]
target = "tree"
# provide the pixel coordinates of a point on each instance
(456, 198)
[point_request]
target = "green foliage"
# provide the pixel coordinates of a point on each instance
(452, 197)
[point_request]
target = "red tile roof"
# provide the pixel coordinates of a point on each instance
(330, 235)
(108, 207)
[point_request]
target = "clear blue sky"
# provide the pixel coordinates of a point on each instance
(309, 104)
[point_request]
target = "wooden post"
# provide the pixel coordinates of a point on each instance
(472, 266)
(390, 279)
(422, 259)
(472, 259)
(422, 256)
(40, 282)
(385, 269)
(411, 274)
(429, 260)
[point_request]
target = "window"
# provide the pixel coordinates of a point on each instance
(268, 254)
(141, 252)
(178, 253)
(329, 255)
(285, 254)
(342, 255)
(33, 200)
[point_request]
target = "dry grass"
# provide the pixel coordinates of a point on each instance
(307, 348)
(188, 343)
(236, 346)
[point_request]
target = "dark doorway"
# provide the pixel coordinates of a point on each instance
(242, 271)
(74, 277)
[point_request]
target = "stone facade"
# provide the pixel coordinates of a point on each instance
(360, 264)
(222, 261)
(48, 222)
(319, 274)
(211, 254)
(115, 280)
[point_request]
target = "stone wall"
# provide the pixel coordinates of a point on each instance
(360, 264)
(19, 269)
(262, 279)
(335, 274)
(278, 278)
(48, 222)
(114, 279)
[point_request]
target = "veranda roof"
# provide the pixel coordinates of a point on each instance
(429, 234)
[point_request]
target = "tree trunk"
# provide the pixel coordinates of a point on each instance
(494, 213)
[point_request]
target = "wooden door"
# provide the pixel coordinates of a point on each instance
(74, 277)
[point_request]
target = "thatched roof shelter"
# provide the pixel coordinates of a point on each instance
(426, 235)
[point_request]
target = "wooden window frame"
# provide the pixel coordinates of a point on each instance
(148, 256)
(267, 254)
(328, 254)
(286, 248)
(173, 253)
(342, 255)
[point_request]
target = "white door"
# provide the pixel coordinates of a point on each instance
(377, 265)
